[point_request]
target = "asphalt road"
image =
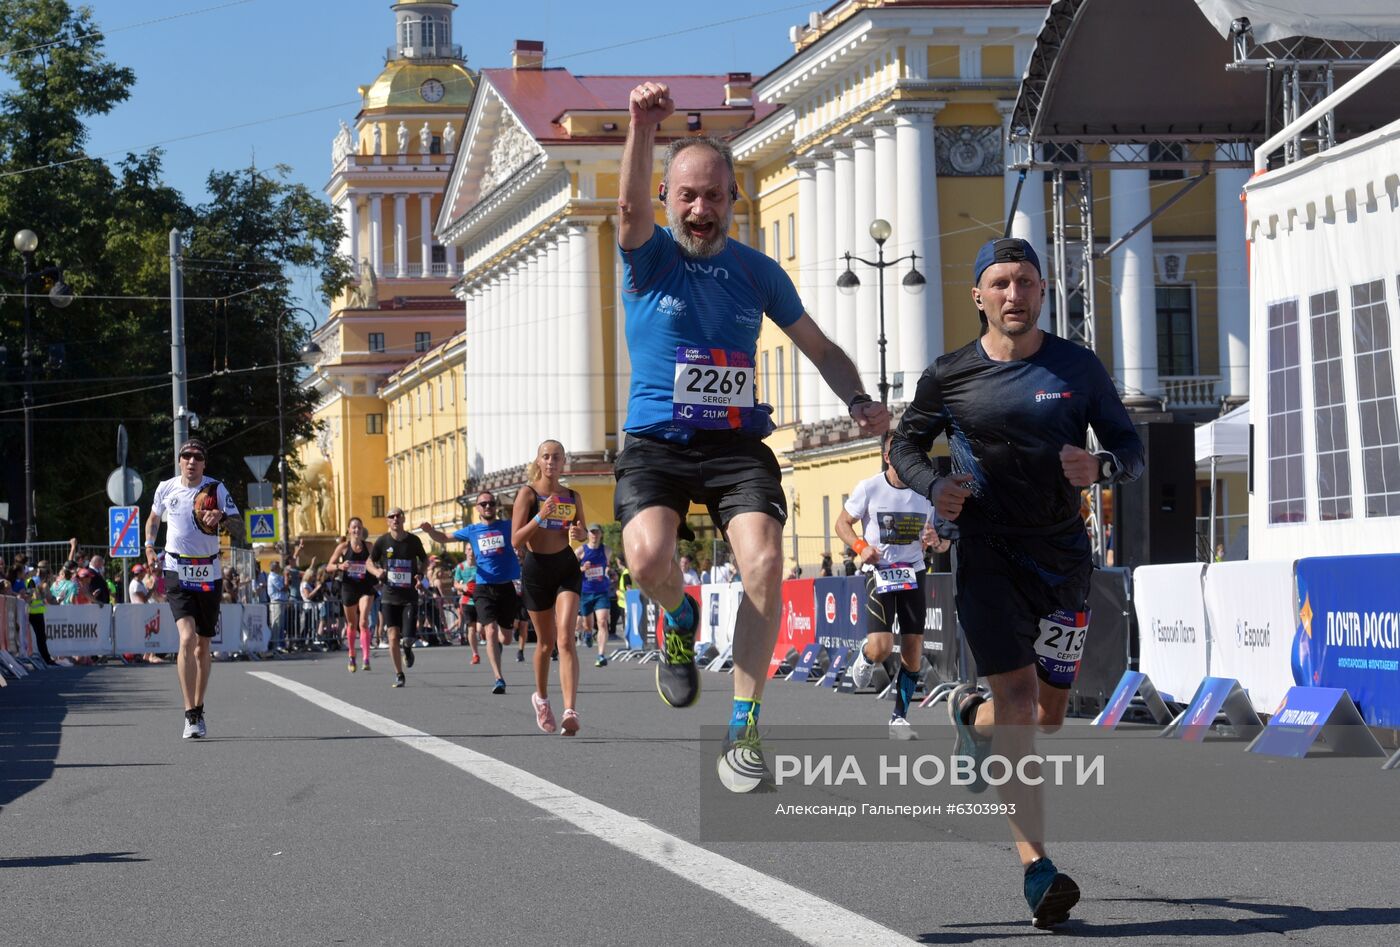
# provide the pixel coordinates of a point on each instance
(328, 808)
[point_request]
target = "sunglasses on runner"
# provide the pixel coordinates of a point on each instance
(485, 502)
(198, 457)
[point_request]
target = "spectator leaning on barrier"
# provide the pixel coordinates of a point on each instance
(35, 592)
(136, 591)
(276, 605)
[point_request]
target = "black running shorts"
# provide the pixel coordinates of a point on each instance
(1006, 585)
(400, 615)
(544, 575)
(728, 473)
(910, 605)
(351, 591)
(496, 603)
(198, 604)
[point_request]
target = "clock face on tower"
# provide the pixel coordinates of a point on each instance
(432, 90)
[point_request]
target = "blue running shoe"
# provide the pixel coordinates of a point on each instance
(962, 710)
(743, 764)
(1049, 893)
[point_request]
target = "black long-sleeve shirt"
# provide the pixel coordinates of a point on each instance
(1006, 423)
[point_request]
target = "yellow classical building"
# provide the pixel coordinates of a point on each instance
(387, 176)
(427, 433)
(891, 110)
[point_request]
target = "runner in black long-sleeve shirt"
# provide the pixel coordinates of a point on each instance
(1016, 406)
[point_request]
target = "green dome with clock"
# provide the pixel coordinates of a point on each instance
(423, 68)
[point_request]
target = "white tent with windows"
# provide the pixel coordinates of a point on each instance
(1223, 446)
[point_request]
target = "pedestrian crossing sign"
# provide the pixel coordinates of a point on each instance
(262, 525)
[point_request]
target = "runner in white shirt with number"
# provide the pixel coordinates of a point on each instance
(194, 507)
(897, 525)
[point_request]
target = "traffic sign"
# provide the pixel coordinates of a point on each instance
(259, 496)
(123, 532)
(258, 464)
(262, 525)
(133, 485)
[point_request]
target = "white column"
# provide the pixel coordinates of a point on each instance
(480, 391)
(376, 233)
(866, 354)
(1134, 283)
(452, 259)
(1231, 276)
(352, 227)
(1029, 220)
(425, 226)
(843, 226)
(516, 402)
(591, 350)
(497, 365)
(887, 208)
(807, 380)
(472, 306)
(400, 235)
(825, 270)
(921, 316)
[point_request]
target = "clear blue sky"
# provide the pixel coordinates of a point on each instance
(260, 62)
(286, 70)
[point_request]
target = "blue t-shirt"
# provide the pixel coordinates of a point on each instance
(692, 325)
(496, 561)
(594, 563)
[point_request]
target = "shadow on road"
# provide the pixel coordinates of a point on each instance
(1267, 918)
(64, 861)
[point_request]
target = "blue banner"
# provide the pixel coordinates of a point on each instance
(636, 619)
(840, 611)
(1348, 632)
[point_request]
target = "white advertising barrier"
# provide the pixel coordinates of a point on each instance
(10, 608)
(719, 605)
(1171, 617)
(78, 630)
(150, 629)
(256, 631)
(1250, 608)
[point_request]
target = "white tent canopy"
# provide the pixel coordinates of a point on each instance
(1226, 439)
(1346, 20)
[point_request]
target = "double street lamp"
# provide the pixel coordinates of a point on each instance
(308, 353)
(913, 283)
(60, 295)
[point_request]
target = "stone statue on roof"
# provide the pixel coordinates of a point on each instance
(449, 138)
(403, 138)
(425, 139)
(378, 140)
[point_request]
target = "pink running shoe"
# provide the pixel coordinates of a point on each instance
(544, 717)
(571, 722)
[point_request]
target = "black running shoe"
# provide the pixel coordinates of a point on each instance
(677, 677)
(962, 710)
(1049, 893)
(398, 680)
(408, 653)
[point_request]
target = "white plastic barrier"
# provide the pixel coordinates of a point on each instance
(1172, 631)
(150, 629)
(719, 605)
(1251, 618)
(78, 630)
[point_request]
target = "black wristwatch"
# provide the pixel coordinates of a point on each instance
(1107, 466)
(860, 398)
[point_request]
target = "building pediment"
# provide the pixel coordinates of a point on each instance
(496, 146)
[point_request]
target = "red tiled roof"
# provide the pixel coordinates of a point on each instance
(541, 96)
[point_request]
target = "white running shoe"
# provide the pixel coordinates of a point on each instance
(862, 671)
(203, 730)
(901, 730)
(191, 730)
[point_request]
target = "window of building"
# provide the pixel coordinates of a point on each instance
(1166, 151)
(792, 236)
(376, 507)
(406, 33)
(1176, 330)
(429, 32)
(762, 240)
(777, 242)
(374, 424)
(1375, 401)
(780, 387)
(442, 395)
(376, 341)
(1285, 416)
(439, 253)
(1329, 409)
(796, 404)
(422, 341)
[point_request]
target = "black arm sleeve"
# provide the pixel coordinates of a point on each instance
(924, 419)
(1116, 433)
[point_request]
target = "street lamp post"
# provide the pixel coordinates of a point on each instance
(308, 354)
(60, 295)
(913, 284)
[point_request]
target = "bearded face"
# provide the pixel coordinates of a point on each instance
(701, 233)
(699, 206)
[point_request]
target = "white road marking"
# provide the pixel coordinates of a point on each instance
(811, 919)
